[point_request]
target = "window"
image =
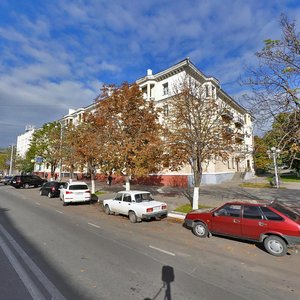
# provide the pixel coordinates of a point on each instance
(213, 91)
(285, 211)
(206, 91)
(127, 198)
(252, 212)
(118, 197)
(166, 110)
(166, 89)
(78, 187)
(271, 215)
(229, 210)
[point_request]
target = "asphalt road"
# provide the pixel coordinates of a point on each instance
(48, 251)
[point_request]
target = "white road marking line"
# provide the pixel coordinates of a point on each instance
(94, 225)
(48, 285)
(28, 283)
(161, 250)
(37, 203)
(60, 212)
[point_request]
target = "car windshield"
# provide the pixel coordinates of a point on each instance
(286, 211)
(78, 187)
(143, 197)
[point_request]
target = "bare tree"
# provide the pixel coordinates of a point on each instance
(275, 84)
(198, 134)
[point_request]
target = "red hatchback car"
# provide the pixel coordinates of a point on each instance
(273, 224)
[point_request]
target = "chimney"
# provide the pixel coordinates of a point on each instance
(149, 72)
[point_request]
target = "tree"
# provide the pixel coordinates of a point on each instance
(132, 142)
(275, 83)
(261, 158)
(26, 164)
(88, 145)
(197, 132)
(4, 159)
(46, 142)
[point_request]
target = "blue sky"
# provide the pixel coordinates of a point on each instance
(56, 54)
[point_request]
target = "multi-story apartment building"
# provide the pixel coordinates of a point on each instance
(23, 140)
(158, 87)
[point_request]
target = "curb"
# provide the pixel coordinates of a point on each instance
(176, 215)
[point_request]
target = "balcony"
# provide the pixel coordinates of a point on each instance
(227, 115)
(239, 122)
(239, 137)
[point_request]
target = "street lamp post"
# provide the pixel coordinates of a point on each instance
(11, 160)
(274, 153)
(60, 150)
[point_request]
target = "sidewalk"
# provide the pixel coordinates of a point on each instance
(210, 195)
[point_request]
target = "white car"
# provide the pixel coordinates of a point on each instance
(137, 205)
(76, 191)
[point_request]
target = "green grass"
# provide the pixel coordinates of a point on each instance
(290, 178)
(98, 193)
(187, 208)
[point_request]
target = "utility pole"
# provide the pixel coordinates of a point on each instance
(11, 160)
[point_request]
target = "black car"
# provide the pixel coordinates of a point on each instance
(26, 181)
(51, 188)
(6, 179)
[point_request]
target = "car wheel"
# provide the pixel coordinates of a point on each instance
(107, 209)
(64, 203)
(26, 185)
(49, 195)
(275, 245)
(200, 230)
(132, 217)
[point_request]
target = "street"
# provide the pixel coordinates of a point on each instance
(49, 251)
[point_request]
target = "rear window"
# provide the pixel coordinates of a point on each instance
(143, 197)
(78, 187)
(286, 211)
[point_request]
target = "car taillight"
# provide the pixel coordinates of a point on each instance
(164, 207)
(149, 209)
(68, 192)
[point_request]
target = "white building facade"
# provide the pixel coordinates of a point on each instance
(24, 140)
(159, 88)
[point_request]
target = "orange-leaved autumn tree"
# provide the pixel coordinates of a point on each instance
(88, 137)
(132, 144)
(197, 133)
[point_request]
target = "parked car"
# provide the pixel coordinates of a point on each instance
(273, 224)
(137, 205)
(51, 188)
(6, 179)
(76, 191)
(27, 181)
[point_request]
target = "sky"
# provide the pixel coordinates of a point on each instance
(56, 54)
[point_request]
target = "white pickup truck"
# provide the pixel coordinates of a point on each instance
(137, 205)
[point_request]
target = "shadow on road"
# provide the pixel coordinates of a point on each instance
(167, 276)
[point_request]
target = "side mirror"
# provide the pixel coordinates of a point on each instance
(215, 214)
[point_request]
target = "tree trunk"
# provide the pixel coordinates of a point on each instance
(197, 168)
(127, 183)
(196, 197)
(93, 182)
